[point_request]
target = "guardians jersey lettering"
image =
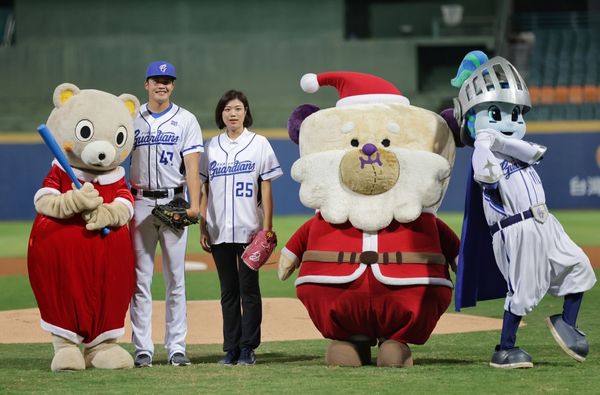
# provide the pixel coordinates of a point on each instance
(223, 169)
(509, 168)
(167, 138)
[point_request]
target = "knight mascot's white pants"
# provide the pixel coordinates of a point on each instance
(147, 231)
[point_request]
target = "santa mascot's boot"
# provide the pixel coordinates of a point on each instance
(394, 354)
(346, 353)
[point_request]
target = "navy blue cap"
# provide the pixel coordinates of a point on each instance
(160, 68)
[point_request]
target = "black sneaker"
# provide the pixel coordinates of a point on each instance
(231, 358)
(143, 361)
(179, 359)
(569, 338)
(515, 358)
(247, 357)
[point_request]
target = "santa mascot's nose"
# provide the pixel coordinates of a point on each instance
(369, 149)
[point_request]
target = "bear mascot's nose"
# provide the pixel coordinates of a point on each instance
(369, 149)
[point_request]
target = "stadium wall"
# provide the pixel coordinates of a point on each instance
(570, 172)
(260, 47)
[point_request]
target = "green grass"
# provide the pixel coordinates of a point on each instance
(455, 364)
(582, 225)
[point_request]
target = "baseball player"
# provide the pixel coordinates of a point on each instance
(237, 169)
(164, 163)
(533, 253)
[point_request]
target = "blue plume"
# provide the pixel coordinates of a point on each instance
(471, 61)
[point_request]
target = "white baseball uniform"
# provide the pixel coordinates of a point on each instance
(157, 166)
(534, 255)
(234, 169)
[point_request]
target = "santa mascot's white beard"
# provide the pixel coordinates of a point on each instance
(421, 184)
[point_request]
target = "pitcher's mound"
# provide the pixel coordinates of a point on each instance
(283, 319)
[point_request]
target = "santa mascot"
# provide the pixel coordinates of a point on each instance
(374, 260)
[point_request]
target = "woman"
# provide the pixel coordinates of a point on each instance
(237, 169)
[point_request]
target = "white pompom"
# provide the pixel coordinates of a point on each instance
(309, 83)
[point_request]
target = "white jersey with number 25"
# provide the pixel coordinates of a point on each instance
(234, 170)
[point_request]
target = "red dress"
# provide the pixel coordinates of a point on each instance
(82, 281)
(399, 301)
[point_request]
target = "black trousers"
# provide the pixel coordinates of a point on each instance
(239, 283)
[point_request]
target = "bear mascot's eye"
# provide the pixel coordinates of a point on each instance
(354, 142)
(385, 142)
(121, 136)
(84, 130)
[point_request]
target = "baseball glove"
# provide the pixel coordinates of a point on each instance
(260, 249)
(174, 214)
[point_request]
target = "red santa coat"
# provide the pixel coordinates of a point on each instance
(82, 281)
(397, 291)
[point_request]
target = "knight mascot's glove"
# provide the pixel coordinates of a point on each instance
(260, 249)
(174, 214)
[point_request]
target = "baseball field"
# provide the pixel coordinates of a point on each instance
(454, 360)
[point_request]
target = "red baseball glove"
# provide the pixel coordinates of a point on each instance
(260, 249)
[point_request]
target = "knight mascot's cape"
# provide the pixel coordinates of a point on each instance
(477, 277)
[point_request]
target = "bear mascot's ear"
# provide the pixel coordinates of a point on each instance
(296, 118)
(63, 93)
(448, 115)
(132, 103)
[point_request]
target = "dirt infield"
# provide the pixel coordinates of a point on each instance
(283, 318)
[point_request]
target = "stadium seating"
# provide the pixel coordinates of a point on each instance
(563, 75)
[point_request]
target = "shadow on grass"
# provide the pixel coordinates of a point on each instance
(261, 358)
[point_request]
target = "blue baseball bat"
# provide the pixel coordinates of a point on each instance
(62, 159)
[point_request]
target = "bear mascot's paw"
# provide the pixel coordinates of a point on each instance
(67, 356)
(107, 355)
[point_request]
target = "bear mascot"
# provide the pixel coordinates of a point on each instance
(80, 256)
(374, 260)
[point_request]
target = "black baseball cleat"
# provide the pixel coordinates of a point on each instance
(515, 358)
(179, 359)
(569, 338)
(143, 361)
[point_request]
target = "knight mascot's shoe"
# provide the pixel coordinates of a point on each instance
(569, 338)
(515, 358)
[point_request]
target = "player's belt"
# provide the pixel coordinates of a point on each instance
(513, 219)
(158, 194)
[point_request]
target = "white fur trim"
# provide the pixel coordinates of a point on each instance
(64, 333)
(332, 279)
(112, 334)
(409, 281)
(309, 83)
(291, 256)
(107, 178)
(127, 203)
(43, 192)
(372, 98)
(370, 241)
(430, 210)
